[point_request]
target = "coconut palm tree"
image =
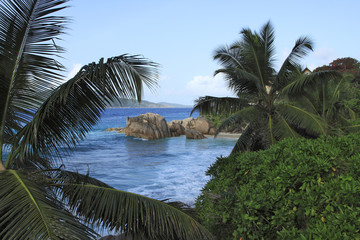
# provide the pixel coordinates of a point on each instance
(262, 101)
(325, 99)
(41, 114)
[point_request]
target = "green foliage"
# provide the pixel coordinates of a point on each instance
(266, 104)
(342, 65)
(297, 189)
(350, 70)
(351, 94)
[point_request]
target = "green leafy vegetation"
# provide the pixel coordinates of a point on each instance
(296, 189)
(42, 114)
(268, 102)
(350, 70)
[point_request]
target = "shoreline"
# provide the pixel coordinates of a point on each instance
(225, 135)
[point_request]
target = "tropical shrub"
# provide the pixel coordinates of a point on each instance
(296, 189)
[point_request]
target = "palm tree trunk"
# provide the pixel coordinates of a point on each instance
(2, 167)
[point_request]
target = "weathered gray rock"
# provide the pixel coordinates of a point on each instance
(147, 126)
(200, 124)
(203, 125)
(175, 128)
(193, 134)
(212, 131)
(154, 126)
(188, 123)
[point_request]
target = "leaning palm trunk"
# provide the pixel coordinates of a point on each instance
(41, 114)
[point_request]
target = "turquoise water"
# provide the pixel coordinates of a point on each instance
(170, 168)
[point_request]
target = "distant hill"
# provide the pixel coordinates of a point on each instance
(128, 103)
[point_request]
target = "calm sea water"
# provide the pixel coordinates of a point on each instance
(171, 168)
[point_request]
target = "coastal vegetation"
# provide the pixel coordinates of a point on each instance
(296, 189)
(294, 172)
(272, 105)
(43, 116)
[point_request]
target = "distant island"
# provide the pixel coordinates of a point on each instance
(129, 103)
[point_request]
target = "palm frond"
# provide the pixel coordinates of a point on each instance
(241, 81)
(301, 48)
(255, 54)
(28, 212)
(75, 106)
(229, 57)
(190, 211)
(246, 139)
(246, 115)
(28, 64)
(267, 38)
(297, 116)
(218, 105)
(63, 177)
(283, 129)
(297, 86)
(130, 213)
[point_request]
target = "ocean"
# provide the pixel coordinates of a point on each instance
(171, 168)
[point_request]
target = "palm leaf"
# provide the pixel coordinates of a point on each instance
(297, 86)
(246, 115)
(229, 57)
(216, 105)
(245, 140)
(28, 62)
(241, 81)
(267, 38)
(130, 213)
(283, 129)
(297, 116)
(75, 106)
(29, 212)
(301, 48)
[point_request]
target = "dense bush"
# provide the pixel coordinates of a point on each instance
(297, 189)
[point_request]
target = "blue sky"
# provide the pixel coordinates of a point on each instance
(182, 35)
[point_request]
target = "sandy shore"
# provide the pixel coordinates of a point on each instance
(225, 135)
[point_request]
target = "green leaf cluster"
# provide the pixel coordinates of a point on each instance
(272, 105)
(296, 189)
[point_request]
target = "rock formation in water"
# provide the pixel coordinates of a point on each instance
(153, 126)
(193, 134)
(200, 124)
(147, 126)
(176, 129)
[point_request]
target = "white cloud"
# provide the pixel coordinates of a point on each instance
(208, 86)
(75, 69)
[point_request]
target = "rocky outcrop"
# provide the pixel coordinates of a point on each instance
(175, 128)
(200, 124)
(147, 126)
(193, 134)
(153, 126)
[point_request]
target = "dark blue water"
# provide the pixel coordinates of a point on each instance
(171, 168)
